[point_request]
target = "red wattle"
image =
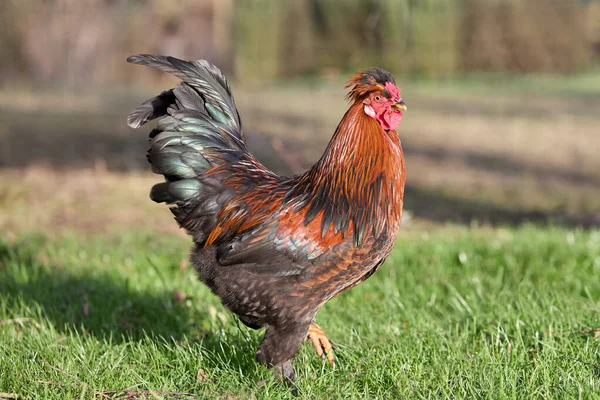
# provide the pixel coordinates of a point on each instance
(390, 121)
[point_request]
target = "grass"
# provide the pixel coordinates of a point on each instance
(103, 304)
(456, 313)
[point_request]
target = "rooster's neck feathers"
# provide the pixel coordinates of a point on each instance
(358, 184)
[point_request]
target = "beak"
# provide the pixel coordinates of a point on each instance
(399, 105)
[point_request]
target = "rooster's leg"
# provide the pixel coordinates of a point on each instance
(278, 347)
(321, 343)
(284, 372)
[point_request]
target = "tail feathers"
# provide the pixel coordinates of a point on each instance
(198, 128)
(197, 204)
(150, 109)
(187, 122)
(176, 163)
(182, 191)
(205, 89)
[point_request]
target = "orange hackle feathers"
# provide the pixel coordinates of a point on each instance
(362, 167)
(355, 189)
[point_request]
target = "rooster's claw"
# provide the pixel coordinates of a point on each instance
(323, 346)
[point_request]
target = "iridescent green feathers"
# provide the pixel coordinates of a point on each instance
(204, 89)
(198, 129)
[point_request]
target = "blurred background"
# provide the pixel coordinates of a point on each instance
(503, 124)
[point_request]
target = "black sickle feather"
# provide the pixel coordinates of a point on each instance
(203, 77)
(151, 109)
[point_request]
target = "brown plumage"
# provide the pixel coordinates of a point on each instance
(273, 248)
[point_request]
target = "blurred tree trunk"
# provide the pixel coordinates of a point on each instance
(395, 35)
(223, 33)
(258, 35)
(14, 59)
(435, 40)
(524, 36)
(298, 44)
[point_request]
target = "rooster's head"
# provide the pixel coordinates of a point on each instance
(376, 90)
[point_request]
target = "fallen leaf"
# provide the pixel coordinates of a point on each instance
(212, 311)
(178, 296)
(44, 259)
(184, 264)
(125, 325)
(201, 376)
(222, 317)
(85, 308)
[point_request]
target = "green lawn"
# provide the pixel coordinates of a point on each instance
(456, 313)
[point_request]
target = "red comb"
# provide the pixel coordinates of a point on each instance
(394, 91)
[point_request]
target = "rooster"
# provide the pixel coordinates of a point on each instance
(275, 248)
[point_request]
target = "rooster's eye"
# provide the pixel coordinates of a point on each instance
(377, 98)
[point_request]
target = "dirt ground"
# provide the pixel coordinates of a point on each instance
(69, 161)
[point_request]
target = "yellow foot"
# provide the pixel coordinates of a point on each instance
(322, 345)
